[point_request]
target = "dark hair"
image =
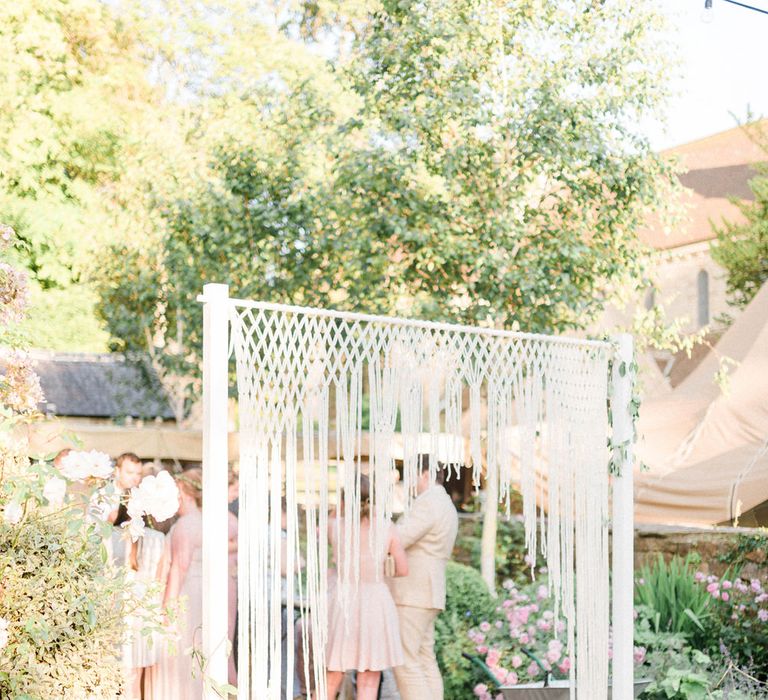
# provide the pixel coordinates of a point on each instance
(126, 457)
(424, 462)
(365, 497)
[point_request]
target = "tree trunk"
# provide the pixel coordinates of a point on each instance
(488, 542)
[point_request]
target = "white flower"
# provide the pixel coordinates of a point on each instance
(484, 132)
(3, 632)
(158, 496)
(54, 491)
(12, 512)
(77, 466)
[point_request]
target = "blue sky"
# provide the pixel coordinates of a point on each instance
(724, 68)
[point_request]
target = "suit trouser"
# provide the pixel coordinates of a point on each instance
(419, 677)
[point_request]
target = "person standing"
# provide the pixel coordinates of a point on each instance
(363, 632)
(427, 533)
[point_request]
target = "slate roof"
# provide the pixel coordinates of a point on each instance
(100, 386)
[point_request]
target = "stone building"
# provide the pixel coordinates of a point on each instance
(689, 284)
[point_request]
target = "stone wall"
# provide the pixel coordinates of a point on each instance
(711, 544)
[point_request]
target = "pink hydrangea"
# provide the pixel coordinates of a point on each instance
(493, 658)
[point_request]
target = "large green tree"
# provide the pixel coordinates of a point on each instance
(742, 247)
(475, 161)
(73, 90)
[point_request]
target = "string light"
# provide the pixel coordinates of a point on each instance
(708, 14)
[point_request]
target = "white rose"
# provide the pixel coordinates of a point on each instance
(158, 496)
(3, 632)
(54, 491)
(100, 465)
(12, 512)
(77, 466)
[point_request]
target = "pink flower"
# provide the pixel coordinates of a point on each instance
(542, 592)
(761, 598)
(724, 595)
(700, 576)
(727, 585)
(512, 678)
(712, 587)
(565, 666)
(553, 655)
(493, 658)
(762, 615)
(533, 669)
(480, 689)
(517, 662)
(639, 655)
(755, 586)
(524, 638)
(485, 626)
(501, 674)
(498, 624)
(482, 650)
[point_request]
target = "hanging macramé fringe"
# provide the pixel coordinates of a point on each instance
(537, 418)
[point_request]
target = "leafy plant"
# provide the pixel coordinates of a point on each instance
(467, 604)
(677, 602)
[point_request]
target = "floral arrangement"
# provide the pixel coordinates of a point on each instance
(524, 642)
(156, 497)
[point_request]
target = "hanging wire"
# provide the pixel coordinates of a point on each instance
(708, 6)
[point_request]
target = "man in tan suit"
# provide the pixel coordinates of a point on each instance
(427, 533)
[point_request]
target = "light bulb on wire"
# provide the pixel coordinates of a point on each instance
(707, 14)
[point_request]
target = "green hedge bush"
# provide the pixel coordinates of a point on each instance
(62, 607)
(467, 603)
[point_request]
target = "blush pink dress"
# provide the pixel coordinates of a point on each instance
(363, 628)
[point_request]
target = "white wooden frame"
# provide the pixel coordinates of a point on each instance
(216, 302)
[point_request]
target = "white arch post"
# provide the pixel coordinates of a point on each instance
(215, 300)
(623, 584)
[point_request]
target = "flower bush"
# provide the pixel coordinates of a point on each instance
(738, 628)
(62, 603)
(706, 636)
(522, 642)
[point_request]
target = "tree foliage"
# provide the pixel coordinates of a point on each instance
(474, 162)
(742, 247)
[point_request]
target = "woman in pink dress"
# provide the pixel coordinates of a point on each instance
(177, 676)
(363, 630)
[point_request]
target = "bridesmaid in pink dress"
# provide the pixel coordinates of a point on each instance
(178, 676)
(363, 629)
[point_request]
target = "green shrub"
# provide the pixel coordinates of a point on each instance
(61, 605)
(467, 603)
(678, 603)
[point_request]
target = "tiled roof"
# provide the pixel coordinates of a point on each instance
(716, 168)
(100, 386)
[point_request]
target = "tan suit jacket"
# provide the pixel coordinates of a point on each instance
(428, 533)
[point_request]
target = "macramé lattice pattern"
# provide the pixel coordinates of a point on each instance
(317, 387)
